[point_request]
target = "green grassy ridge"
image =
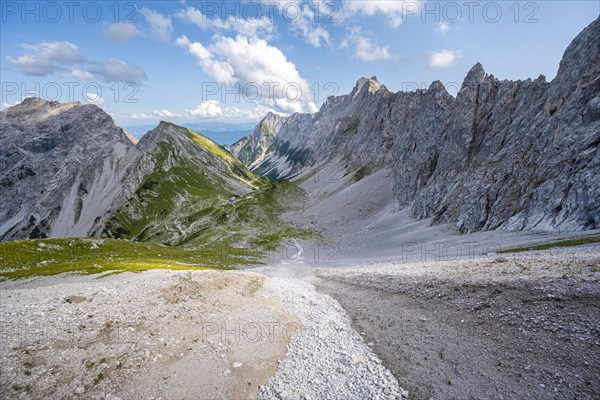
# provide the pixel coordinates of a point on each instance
(557, 244)
(214, 218)
(179, 187)
(165, 195)
(236, 167)
(44, 257)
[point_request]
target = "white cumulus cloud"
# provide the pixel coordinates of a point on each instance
(442, 27)
(221, 71)
(312, 32)
(46, 57)
(160, 26)
(166, 114)
(251, 27)
(94, 98)
(77, 73)
(442, 59)
(115, 70)
(253, 63)
(395, 11)
(208, 109)
(365, 47)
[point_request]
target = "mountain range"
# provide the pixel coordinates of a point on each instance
(514, 155)
(511, 155)
(221, 132)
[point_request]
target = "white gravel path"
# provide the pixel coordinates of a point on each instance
(327, 359)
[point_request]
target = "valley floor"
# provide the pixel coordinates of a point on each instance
(521, 325)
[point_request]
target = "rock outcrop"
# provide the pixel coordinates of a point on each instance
(252, 149)
(60, 167)
(515, 155)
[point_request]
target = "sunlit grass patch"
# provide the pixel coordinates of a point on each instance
(29, 258)
(552, 245)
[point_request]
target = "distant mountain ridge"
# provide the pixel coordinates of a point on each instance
(514, 155)
(220, 132)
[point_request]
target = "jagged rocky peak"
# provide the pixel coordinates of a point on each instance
(39, 107)
(271, 116)
(372, 84)
(437, 87)
(501, 155)
(37, 102)
(253, 148)
(475, 76)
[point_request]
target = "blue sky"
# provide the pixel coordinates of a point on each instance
(188, 61)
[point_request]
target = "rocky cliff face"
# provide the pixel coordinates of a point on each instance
(252, 149)
(516, 155)
(59, 168)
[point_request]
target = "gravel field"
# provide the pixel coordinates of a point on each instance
(155, 335)
(522, 325)
(327, 359)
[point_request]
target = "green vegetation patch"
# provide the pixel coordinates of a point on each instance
(43, 257)
(552, 245)
(252, 222)
(360, 174)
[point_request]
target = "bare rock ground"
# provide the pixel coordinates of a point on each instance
(154, 335)
(525, 325)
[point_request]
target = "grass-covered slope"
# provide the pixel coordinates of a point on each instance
(188, 175)
(243, 232)
(198, 196)
(29, 258)
(187, 204)
(250, 221)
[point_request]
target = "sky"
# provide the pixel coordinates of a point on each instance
(195, 61)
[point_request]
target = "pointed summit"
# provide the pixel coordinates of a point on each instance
(437, 86)
(475, 74)
(372, 84)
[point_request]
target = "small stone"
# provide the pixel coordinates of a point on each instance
(237, 364)
(80, 390)
(75, 299)
(227, 372)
